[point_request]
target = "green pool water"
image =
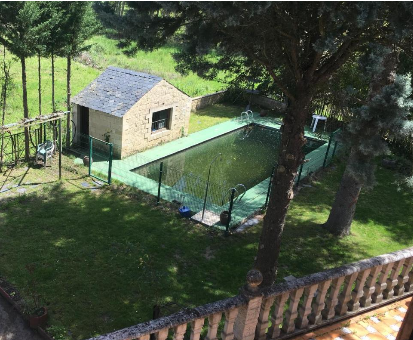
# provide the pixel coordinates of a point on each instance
(247, 157)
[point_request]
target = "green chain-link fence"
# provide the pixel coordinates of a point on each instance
(100, 159)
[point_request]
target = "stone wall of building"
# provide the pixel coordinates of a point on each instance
(102, 124)
(137, 122)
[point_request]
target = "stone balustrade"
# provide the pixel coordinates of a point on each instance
(287, 309)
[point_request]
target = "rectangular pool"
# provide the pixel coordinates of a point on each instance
(247, 157)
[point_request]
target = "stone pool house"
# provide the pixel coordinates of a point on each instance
(133, 110)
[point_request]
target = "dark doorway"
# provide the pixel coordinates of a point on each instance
(84, 120)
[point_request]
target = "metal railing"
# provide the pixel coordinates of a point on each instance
(159, 124)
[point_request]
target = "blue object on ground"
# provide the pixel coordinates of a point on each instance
(185, 211)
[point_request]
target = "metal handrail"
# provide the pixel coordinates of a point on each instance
(159, 124)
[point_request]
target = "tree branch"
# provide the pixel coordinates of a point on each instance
(274, 77)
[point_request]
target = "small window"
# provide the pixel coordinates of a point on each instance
(161, 120)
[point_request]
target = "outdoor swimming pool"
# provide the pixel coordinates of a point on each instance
(247, 157)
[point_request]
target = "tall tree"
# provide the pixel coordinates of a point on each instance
(20, 28)
(6, 83)
(53, 12)
(78, 26)
(385, 111)
(300, 45)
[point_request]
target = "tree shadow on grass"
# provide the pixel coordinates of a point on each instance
(381, 213)
(103, 260)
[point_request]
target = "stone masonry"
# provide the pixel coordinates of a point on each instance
(137, 135)
(121, 105)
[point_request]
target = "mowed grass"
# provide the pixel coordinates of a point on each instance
(103, 53)
(212, 115)
(81, 76)
(222, 112)
(104, 257)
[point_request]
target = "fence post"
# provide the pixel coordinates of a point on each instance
(269, 186)
(328, 150)
(159, 183)
(110, 163)
(90, 154)
(334, 149)
(231, 205)
(299, 174)
(60, 149)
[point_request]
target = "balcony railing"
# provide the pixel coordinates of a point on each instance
(296, 306)
(159, 124)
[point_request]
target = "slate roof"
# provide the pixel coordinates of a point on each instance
(116, 90)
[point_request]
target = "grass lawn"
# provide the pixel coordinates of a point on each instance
(104, 257)
(160, 62)
(219, 113)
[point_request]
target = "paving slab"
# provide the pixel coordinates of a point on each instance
(12, 325)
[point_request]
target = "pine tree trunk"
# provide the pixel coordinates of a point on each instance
(68, 118)
(53, 100)
(290, 158)
(53, 104)
(39, 69)
(3, 102)
(344, 206)
(25, 110)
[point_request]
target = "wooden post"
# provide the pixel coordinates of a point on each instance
(60, 148)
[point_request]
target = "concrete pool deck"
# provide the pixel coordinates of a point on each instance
(253, 199)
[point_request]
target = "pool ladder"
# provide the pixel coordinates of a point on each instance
(248, 115)
(238, 196)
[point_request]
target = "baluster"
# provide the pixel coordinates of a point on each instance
(393, 279)
(305, 309)
(315, 317)
(260, 331)
(162, 334)
(370, 287)
(228, 331)
(408, 287)
(213, 323)
(292, 312)
(345, 295)
(377, 296)
(332, 300)
(196, 328)
(358, 291)
(277, 316)
(247, 317)
(403, 277)
(179, 332)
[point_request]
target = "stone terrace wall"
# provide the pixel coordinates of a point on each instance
(268, 103)
(137, 122)
(206, 100)
(292, 308)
